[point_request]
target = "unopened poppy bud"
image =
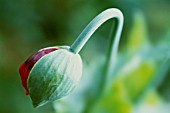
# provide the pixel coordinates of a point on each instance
(50, 74)
(26, 67)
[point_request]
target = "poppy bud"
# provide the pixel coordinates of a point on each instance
(50, 74)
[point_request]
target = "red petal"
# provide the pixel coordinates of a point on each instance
(26, 67)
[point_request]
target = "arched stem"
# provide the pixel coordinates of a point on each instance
(96, 23)
(113, 45)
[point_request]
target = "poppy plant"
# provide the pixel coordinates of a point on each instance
(53, 73)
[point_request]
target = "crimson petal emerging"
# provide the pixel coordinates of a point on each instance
(26, 67)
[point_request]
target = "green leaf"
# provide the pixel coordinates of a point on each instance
(138, 78)
(137, 37)
(115, 101)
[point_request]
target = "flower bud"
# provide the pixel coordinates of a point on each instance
(50, 74)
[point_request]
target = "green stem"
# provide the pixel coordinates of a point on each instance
(96, 23)
(113, 44)
(93, 26)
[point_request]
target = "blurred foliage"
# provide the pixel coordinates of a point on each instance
(140, 81)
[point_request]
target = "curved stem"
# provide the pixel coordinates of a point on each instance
(96, 23)
(113, 44)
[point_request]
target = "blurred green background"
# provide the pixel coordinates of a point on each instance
(140, 81)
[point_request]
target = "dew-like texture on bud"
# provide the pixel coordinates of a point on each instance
(54, 76)
(26, 67)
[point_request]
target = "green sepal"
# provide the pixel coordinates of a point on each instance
(54, 76)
